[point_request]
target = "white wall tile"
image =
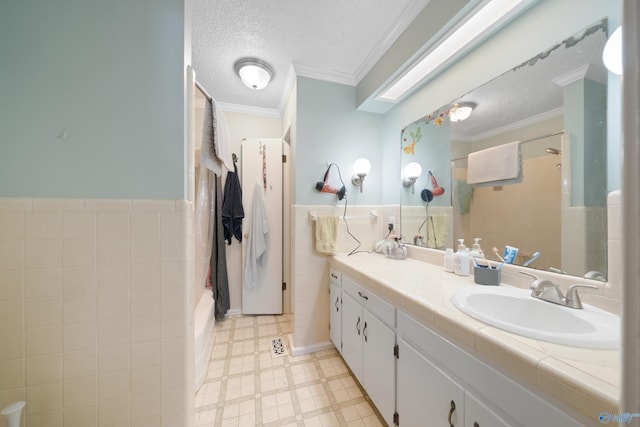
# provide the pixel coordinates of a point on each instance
(145, 405)
(78, 225)
(173, 274)
(173, 249)
(81, 363)
(80, 336)
(113, 331)
(145, 302)
(16, 204)
(43, 225)
(43, 398)
(145, 379)
(58, 205)
(145, 354)
(81, 416)
(43, 254)
(113, 411)
(47, 418)
(43, 312)
(12, 373)
(79, 308)
(145, 276)
(12, 225)
(11, 315)
(12, 255)
(145, 328)
(113, 251)
(43, 369)
(11, 284)
(113, 277)
(113, 304)
(12, 345)
(113, 359)
(145, 250)
(107, 205)
(43, 283)
(113, 385)
(145, 224)
(79, 280)
(153, 205)
(173, 223)
(44, 340)
(78, 252)
(112, 224)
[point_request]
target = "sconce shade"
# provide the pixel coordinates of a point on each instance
(412, 170)
(362, 166)
(461, 111)
(254, 73)
(612, 53)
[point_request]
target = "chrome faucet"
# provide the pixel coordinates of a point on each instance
(548, 291)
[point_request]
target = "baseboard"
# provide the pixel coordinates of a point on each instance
(234, 312)
(299, 351)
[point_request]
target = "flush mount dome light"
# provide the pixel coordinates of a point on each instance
(461, 111)
(254, 73)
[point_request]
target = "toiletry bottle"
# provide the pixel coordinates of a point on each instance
(476, 250)
(448, 260)
(462, 260)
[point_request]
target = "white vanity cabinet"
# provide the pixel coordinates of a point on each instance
(426, 396)
(335, 308)
(477, 414)
(368, 341)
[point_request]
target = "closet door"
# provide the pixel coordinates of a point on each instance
(262, 164)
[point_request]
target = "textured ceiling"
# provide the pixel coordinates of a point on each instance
(530, 91)
(338, 39)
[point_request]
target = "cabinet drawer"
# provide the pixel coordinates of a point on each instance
(376, 305)
(335, 277)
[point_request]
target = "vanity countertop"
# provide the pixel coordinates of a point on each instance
(586, 380)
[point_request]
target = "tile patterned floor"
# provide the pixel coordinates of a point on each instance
(246, 386)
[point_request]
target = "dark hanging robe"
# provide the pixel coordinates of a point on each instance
(218, 263)
(232, 210)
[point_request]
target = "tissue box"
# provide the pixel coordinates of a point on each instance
(486, 276)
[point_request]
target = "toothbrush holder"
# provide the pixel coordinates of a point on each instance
(486, 276)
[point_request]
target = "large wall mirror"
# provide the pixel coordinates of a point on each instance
(554, 212)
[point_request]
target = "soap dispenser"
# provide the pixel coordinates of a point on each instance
(476, 250)
(462, 260)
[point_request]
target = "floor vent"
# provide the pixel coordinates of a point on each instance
(278, 348)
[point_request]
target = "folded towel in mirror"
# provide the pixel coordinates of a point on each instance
(326, 234)
(499, 165)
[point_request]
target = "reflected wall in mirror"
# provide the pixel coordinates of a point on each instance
(554, 105)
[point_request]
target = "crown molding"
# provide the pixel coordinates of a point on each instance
(587, 71)
(246, 109)
(324, 74)
(510, 127)
(289, 81)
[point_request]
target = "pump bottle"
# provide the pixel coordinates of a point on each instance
(462, 260)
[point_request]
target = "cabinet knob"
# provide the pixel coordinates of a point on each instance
(358, 325)
(364, 331)
(475, 424)
(336, 304)
(451, 411)
(363, 295)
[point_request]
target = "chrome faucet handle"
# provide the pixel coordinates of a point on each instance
(572, 299)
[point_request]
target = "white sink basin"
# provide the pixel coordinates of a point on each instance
(515, 310)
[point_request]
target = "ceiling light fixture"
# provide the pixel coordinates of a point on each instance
(254, 73)
(479, 24)
(461, 111)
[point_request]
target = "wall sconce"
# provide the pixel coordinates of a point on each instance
(612, 53)
(461, 111)
(412, 172)
(361, 168)
(254, 73)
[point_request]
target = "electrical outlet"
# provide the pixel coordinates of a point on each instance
(392, 223)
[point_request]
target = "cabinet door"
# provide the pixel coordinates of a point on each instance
(352, 324)
(425, 395)
(378, 360)
(335, 316)
(476, 414)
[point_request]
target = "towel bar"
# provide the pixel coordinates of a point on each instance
(373, 214)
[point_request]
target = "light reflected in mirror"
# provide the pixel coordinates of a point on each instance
(554, 105)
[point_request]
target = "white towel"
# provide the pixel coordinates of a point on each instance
(258, 241)
(215, 139)
(496, 165)
(326, 234)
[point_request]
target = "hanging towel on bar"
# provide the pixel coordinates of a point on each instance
(258, 240)
(326, 234)
(215, 138)
(437, 231)
(218, 262)
(232, 210)
(495, 166)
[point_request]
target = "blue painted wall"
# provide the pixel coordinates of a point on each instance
(91, 98)
(329, 128)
